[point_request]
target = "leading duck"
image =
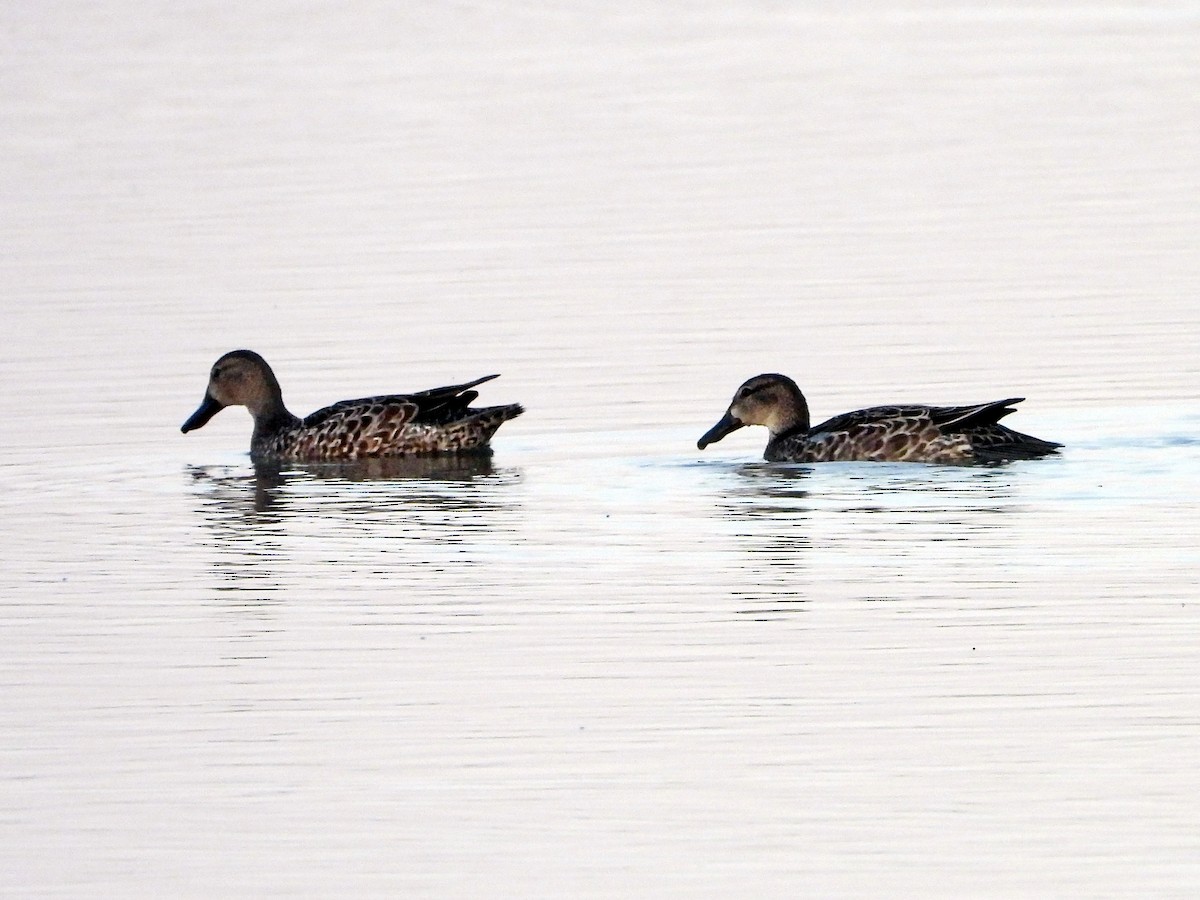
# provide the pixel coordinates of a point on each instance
(434, 421)
(910, 433)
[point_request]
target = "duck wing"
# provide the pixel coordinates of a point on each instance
(875, 415)
(952, 419)
(948, 419)
(439, 406)
(450, 391)
(388, 412)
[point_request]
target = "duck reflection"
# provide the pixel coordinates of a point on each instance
(271, 479)
(769, 490)
(874, 535)
(956, 495)
(278, 528)
(770, 504)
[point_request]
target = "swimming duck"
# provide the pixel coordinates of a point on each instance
(433, 421)
(910, 433)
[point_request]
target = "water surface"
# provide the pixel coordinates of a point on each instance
(600, 662)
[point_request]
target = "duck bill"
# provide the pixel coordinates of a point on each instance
(729, 423)
(208, 408)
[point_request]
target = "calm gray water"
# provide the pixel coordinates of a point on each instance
(602, 663)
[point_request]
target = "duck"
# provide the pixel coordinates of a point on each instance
(439, 420)
(902, 433)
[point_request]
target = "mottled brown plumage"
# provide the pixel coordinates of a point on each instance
(434, 421)
(910, 433)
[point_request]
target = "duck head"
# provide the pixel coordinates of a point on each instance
(773, 401)
(239, 378)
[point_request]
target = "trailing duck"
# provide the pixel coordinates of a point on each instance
(439, 420)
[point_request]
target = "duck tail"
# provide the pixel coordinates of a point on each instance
(1007, 445)
(489, 418)
(499, 413)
